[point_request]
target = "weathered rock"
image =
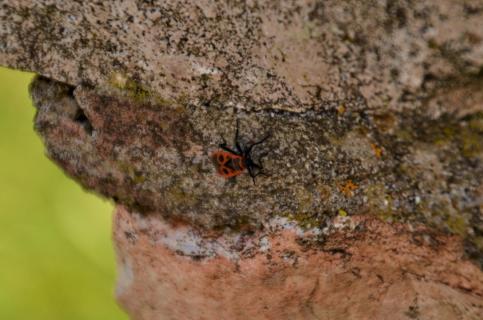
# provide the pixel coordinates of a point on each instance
(333, 87)
(156, 159)
(365, 269)
(374, 108)
(255, 55)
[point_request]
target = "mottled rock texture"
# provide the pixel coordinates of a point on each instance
(374, 107)
(366, 269)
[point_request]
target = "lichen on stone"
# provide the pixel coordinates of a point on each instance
(378, 115)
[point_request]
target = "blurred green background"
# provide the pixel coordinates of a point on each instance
(56, 255)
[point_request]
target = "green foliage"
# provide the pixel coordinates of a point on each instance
(57, 261)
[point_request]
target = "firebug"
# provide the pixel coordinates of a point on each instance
(232, 163)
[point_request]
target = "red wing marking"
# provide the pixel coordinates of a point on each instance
(229, 164)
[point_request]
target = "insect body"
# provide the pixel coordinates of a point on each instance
(232, 163)
(229, 164)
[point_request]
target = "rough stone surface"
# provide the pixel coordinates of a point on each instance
(360, 109)
(365, 269)
(156, 159)
(375, 108)
(254, 55)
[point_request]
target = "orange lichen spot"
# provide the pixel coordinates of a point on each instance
(342, 213)
(348, 188)
(341, 109)
(377, 150)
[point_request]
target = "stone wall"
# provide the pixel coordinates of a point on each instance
(375, 116)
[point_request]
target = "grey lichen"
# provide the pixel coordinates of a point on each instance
(374, 107)
(157, 160)
(302, 55)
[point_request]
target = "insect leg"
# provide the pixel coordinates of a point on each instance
(259, 166)
(237, 137)
(224, 146)
(251, 174)
(258, 142)
(260, 159)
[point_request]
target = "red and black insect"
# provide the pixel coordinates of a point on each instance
(232, 163)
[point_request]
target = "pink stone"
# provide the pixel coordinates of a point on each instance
(367, 269)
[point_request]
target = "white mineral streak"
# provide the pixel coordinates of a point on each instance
(188, 241)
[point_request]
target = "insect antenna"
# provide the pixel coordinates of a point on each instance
(225, 147)
(237, 137)
(249, 149)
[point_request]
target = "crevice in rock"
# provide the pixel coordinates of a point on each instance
(81, 118)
